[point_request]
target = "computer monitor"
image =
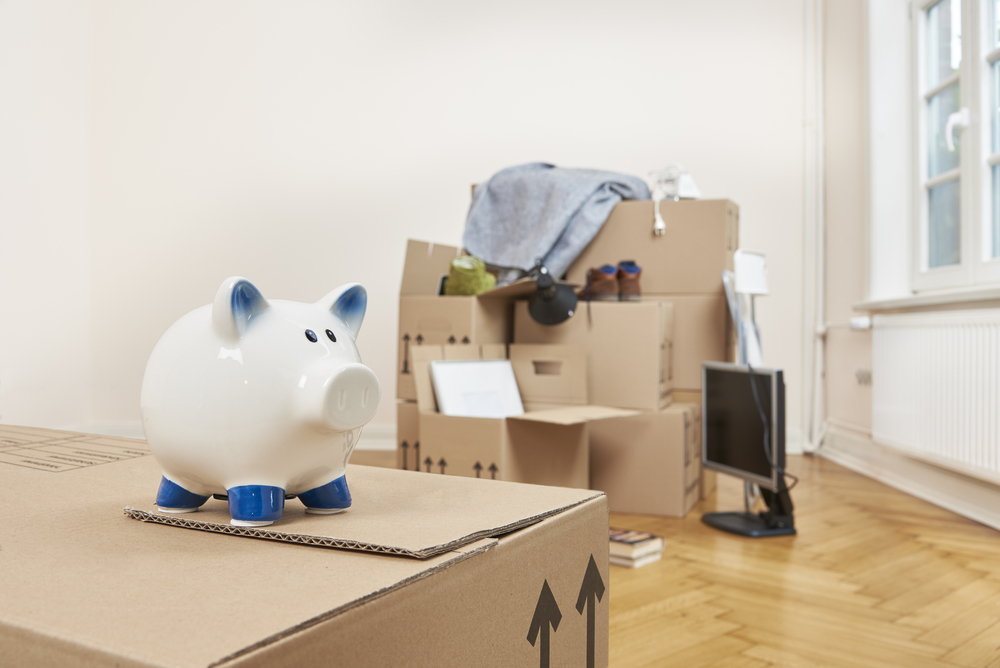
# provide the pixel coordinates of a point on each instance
(743, 427)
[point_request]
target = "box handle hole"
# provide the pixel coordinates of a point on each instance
(547, 368)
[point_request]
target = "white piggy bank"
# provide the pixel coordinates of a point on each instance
(258, 399)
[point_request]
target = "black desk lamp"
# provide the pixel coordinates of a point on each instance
(552, 303)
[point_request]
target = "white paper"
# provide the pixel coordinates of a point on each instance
(476, 388)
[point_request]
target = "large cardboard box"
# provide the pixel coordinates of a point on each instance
(427, 318)
(702, 330)
(649, 464)
(407, 412)
(699, 242)
(407, 424)
(421, 571)
(708, 482)
(628, 346)
(548, 446)
(687, 396)
(708, 476)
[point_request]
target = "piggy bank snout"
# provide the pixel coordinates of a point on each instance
(352, 397)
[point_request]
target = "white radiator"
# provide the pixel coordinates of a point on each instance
(936, 388)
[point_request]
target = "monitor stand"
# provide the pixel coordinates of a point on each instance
(777, 520)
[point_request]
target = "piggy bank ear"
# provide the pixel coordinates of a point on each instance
(236, 303)
(348, 302)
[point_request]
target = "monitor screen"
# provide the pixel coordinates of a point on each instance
(733, 429)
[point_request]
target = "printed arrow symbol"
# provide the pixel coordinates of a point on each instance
(465, 339)
(493, 471)
(406, 353)
(429, 462)
(442, 464)
(477, 467)
(419, 339)
(416, 456)
(546, 612)
(406, 447)
(592, 588)
(451, 339)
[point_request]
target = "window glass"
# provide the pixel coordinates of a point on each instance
(939, 107)
(943, 232)
(995, 24)
(993, 241)
(944, 41)
(995, 105)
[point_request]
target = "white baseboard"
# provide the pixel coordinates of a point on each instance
(378, 437)
(793, 441)
(976, 499)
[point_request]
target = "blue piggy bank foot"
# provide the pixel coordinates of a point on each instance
(172, 498)
(333, 497)
(255, 505)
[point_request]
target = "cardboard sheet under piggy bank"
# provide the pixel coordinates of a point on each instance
(258, 399)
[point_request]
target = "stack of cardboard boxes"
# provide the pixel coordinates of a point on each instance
(548, 445)
(642, 358)
(457, 327)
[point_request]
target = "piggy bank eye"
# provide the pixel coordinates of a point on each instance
(332, 336)
(311, 335)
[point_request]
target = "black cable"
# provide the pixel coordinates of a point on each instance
(767, 433)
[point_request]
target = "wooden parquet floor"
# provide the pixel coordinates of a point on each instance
(875, 578)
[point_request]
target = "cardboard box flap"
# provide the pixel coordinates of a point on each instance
(548, 373)
(574, 414)
(391, 513)
(523, 287)
(425, 263)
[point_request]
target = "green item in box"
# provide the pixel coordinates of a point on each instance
(468, 276)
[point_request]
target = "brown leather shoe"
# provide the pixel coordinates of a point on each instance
(602, 285)
(628, 281)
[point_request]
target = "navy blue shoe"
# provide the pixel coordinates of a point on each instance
(333, 497)
(255, 505)
(172, 498)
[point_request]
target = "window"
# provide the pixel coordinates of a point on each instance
(957, 80)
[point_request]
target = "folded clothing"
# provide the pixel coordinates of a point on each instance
(540, 212)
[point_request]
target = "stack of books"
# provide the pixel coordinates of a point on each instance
(633, 549)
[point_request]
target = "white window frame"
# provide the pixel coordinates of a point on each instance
(986, 269)
(975, 166)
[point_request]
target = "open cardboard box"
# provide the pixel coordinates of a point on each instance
(547, 445)
(629, 348)
(420, 571)
(428, 318)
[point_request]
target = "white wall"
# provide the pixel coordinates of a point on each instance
(891, 148)
(848, 401)
(300, 143)
(45, 308)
